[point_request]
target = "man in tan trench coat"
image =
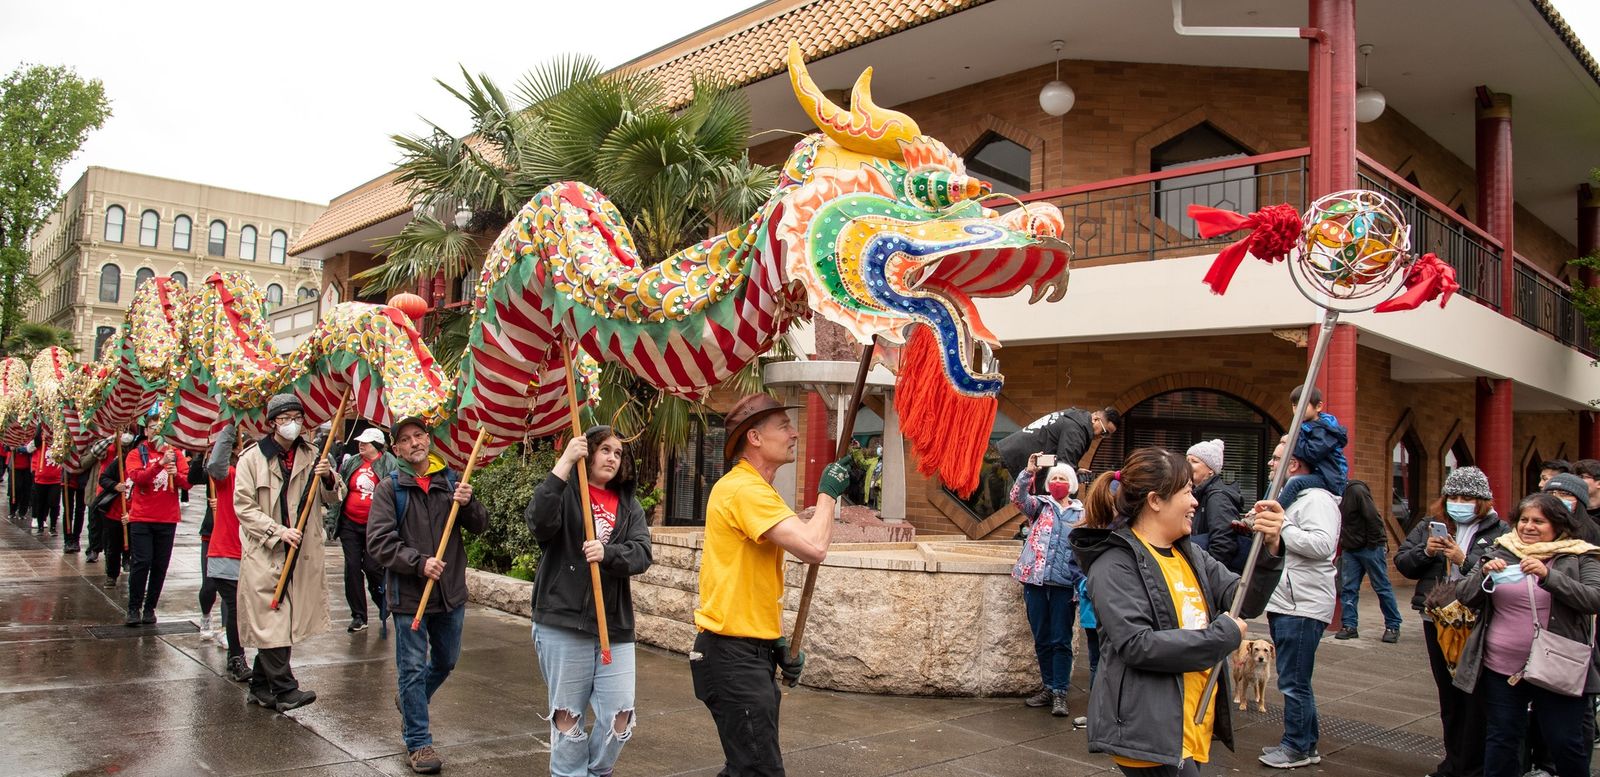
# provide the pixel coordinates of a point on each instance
(268, 508)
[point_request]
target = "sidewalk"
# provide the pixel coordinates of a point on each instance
(79, 699)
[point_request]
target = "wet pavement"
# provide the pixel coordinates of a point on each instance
(76, 699)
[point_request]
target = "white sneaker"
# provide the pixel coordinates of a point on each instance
(206, 633)
(220, 637)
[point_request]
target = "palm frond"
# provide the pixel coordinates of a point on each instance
(550, 79)
(421, 248)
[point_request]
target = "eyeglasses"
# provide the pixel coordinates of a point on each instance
(296, 417)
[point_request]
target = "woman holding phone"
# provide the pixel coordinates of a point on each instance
(1459, 529)
(1047, 572)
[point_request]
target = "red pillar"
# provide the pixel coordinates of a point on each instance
(1496, 200)
(1338, 383)
(819, 446)
(1588, 435)
(1588, 230)
(1494, 441)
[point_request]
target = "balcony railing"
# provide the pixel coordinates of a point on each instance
(1143, 217)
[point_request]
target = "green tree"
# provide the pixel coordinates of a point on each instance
(46, 113)
(28, 339)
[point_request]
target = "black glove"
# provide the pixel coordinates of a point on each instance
(791, 670)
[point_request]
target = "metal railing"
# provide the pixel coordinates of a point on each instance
(1441, 231)
(1545, 304)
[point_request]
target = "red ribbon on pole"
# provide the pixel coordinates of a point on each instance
(1427, 279)
(1274, 230)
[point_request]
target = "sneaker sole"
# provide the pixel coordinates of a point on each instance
(1315, 758)
(281, 707)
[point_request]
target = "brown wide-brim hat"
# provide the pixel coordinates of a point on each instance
(747, 413)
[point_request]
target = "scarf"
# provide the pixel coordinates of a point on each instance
(434, 465)
(1545, 550)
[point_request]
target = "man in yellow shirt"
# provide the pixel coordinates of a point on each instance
(740, 617)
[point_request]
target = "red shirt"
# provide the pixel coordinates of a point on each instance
(46, 472)
(423, 481)
(22, 460)
(155, 494)
(224, 521)
(358, 503)
(604, 503)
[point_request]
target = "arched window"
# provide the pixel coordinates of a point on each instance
(102, 335)
(247, 243)
(181, 227)
(1458, 456)
(274, 294)
(305, 294)
(1405, 498)
(142, 276)
(277, 253)
(179, 278)
(110, 283)
(217, 242)
(1233, 188)
(1178, 419)
(149, 228)
(114, 218)
(1003, 162)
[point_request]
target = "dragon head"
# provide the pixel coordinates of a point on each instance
(884, 228)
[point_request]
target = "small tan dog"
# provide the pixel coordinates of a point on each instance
(1252, 671)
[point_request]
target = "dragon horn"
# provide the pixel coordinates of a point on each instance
(865, 128)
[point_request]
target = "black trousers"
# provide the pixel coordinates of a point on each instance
(1463, 715)
(228, 592)
(73, 520)
(1186, 769)
(150, 548)
(272, 673)
(111, 545)
(735, 678)
(358, 564)
(21, 492)
(208, 585)
(46, 503)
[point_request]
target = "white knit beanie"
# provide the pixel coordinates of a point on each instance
(1209, 452)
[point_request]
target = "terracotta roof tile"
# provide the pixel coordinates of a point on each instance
(1568, 36)
(371, 203)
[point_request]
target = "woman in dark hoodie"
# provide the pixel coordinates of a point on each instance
(1163, 622)
(565, 630)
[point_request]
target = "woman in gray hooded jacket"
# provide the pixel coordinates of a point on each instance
(1163, 621)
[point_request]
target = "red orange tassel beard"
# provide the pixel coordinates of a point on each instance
(948, 430)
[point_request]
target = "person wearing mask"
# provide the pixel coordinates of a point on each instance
(564, 623)
(409, 511)
(1049, 576)
(1066, 433)
(1538, 576)
(1364, 543)
(1220, 505)
(223, 553)
(361, 474)
(1466, 511)
(46, 490)
(271, 483)
(157, 471)
(1569, 489)
(1162, 607)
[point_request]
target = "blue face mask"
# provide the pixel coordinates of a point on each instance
(1507, 576)
(1461, 513)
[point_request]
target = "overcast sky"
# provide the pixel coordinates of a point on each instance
(298, 99)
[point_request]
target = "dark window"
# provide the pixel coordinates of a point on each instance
(182, 226)
(994, 480)
(217, 242)
(274, 294)
(114, 218)
(1178, 419)
(280, 244)
(102, 335)
(692, 470)
(142, 276)
(1002, 162)
(1405, 464)
(1530, 476)
(110, 283)
(1459, 455)
(1233, 188)
(149, 228)
(180, 279)
(247, 243)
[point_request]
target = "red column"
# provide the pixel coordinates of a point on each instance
(1494, 441)
(1588, 230)
(1496, 200)
(1589, 435)
(819, 446)
(1332, 97)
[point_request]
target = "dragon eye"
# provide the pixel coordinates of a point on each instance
(939, 189)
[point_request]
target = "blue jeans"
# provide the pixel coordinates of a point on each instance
(1374, 563)
(575, 681)
(1296, 641)
(1560, 720)
(423, 659)
(1051, 610)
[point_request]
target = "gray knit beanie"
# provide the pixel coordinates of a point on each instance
(1209, 452)
(1468, 482)
(282, 403)
(1569, 483)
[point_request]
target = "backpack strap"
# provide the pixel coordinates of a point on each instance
(400, 499)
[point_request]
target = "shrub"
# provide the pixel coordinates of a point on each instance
(504, 487)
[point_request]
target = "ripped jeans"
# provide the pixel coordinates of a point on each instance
(570, 662)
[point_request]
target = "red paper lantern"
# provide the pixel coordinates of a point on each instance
(410, 304)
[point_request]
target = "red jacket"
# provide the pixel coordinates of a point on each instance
(21, 459)
(224, 521)
(155, 494)
(45, 471)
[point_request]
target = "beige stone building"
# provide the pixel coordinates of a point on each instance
(114, 230)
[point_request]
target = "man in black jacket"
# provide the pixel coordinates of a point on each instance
(1365, 546)
(409, 511)
(1065, 433)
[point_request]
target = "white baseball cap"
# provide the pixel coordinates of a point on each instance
(372, 435)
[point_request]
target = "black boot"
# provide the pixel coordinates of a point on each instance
(133, 618)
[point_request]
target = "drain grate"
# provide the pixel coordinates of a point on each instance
(156, 630)
(1352, 731)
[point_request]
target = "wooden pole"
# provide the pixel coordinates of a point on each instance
(843, 447)
(306, 500)
(449, 524)
(122, 499)
(588, 510)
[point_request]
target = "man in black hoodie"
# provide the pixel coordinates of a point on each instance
(1365, 545)
(1065, 433)
(409, 512)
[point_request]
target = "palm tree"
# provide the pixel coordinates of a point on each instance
(674, 175)
(29, 339)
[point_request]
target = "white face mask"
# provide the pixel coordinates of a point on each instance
(127, 439)
(289, 430)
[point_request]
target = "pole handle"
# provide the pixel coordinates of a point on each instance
(588, 509)
(306, 501)
(449, 525)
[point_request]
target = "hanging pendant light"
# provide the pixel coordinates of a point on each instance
(1056, 98)
(1369, 101)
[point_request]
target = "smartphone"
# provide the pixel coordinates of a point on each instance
(1437, 529)
(1046, 460)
